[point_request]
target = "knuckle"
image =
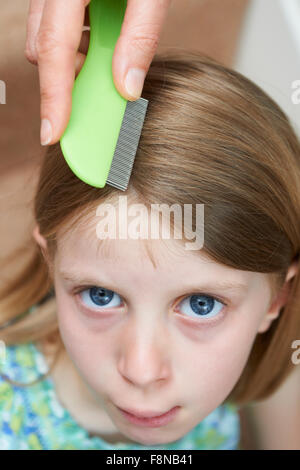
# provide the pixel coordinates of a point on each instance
(54, 94)
(46, 42)
(146, 42)
(49, 94)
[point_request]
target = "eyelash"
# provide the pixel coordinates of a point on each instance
(215, 319)
(210, 321)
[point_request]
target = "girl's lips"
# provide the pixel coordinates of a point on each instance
(145, 414)
(154, 421)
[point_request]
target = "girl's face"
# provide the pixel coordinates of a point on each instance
(153, 330)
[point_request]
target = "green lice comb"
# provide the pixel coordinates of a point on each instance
(102, 136)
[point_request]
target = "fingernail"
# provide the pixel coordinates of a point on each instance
(46, 132)
(134, 82)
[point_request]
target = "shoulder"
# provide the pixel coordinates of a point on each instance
(20, 365)
(220, 430)
(273, 423)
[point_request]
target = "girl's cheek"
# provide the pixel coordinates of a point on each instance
(83, 337)
(231, 353)
(84, 319)
(222, 350)
(71, 329)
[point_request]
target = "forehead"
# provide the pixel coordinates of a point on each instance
(83, 240)
(80, 248)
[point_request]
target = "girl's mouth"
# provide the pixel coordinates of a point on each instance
(152, 422)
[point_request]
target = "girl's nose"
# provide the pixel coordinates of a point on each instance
(144, 359)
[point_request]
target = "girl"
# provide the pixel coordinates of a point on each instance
(101, 332)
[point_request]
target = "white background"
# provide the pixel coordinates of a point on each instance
(269, 51)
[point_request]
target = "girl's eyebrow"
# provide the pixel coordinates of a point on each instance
(220, 286)
(198, 287)
(78, 278)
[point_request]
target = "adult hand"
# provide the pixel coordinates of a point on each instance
(57, 44)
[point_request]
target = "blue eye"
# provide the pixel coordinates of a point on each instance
(100, 297)
(200, 305)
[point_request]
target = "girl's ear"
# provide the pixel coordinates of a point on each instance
(41, 241)
(281, 298)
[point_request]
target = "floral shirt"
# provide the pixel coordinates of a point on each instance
(33, 418)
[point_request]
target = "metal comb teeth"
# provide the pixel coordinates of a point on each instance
(127, 144)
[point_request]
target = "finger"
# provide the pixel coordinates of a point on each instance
(83, 47)
(80, 59)
(137, 44)
(57, 43)
(33, 24)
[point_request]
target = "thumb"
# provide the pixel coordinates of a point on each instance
(137, 45)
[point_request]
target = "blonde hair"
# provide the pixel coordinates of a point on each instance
(210, 136)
